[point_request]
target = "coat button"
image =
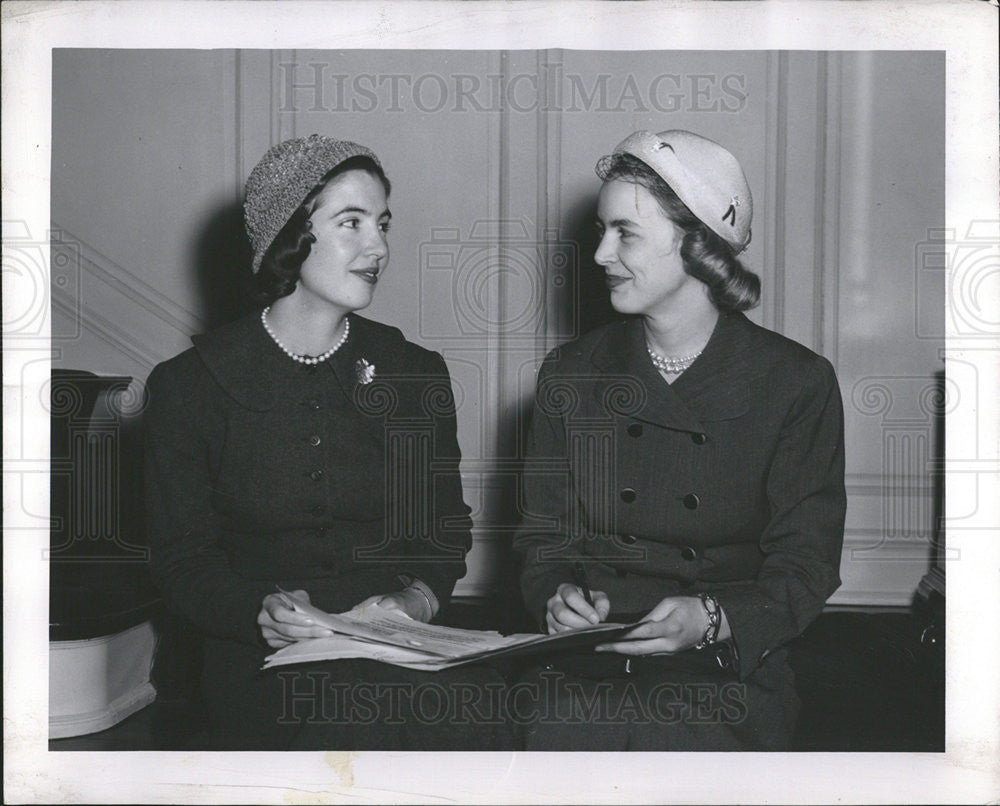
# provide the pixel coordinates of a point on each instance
(699, 439)
(691, 501)
(689, 554)
(628, 539)
(314, 440)
(313, 404)
(316, 475)
(635, 430)
(628, 495)
(317, 510)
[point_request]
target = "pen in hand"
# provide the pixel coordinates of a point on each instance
(581, 581)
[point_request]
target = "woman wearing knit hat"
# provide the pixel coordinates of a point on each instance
(293, 449)
(702, 484)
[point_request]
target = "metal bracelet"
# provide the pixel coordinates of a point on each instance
(714, 611)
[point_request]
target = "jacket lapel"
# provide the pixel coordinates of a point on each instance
(624, 364)
(718, 385)
(715, 387)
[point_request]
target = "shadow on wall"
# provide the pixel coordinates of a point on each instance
(222, 266)
(594, 306)
(586, 309)
(226, 289)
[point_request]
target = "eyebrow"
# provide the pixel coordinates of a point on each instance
(618, 222)
(363, 211)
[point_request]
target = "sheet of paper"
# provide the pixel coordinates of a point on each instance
(394, 627)
(338, 647)
(392, 637)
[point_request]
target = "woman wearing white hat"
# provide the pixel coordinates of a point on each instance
(700, 481)
(308, 448)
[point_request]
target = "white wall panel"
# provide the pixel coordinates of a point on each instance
(139, 148)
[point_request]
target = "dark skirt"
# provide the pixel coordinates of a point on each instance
(349, 705)
(598, 701)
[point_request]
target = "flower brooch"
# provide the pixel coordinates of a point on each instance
(363, 371)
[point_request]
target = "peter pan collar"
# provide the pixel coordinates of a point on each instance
(248, 365)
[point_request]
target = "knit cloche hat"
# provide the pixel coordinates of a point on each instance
(280, 182)
(703, 174)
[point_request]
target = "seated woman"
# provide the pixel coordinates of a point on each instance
(309, 448)
(685, 467)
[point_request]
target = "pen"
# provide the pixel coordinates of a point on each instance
(581, 581)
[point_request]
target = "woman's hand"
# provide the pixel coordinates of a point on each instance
(568, 609)
(675, 624)
(281, 625)
(410, 600)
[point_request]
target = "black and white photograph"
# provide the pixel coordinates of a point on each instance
(467, 401)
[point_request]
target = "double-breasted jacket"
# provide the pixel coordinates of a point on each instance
(730, 480)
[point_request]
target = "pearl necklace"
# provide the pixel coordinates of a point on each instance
(304, 359)
(669, 364)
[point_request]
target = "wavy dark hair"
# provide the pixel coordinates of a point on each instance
(707, 257)
(282, 262)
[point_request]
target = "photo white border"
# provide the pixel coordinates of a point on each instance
(967, 772)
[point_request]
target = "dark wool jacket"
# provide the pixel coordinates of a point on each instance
(728, 481)
(262, 472)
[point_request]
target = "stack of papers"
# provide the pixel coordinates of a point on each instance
(392, 637)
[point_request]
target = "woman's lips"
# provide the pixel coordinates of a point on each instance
(370, 276)
(613, 280)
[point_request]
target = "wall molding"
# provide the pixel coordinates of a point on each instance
(106, 330)
(777, 150)
(232, 102)
(827, 211)
(890, 490)
(873, 598)
(102, 279)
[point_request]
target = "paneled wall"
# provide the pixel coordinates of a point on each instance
(491, 156)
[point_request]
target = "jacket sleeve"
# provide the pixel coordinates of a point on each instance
(547, 539)
(187, 562)
(802, 541)
(441, 536)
